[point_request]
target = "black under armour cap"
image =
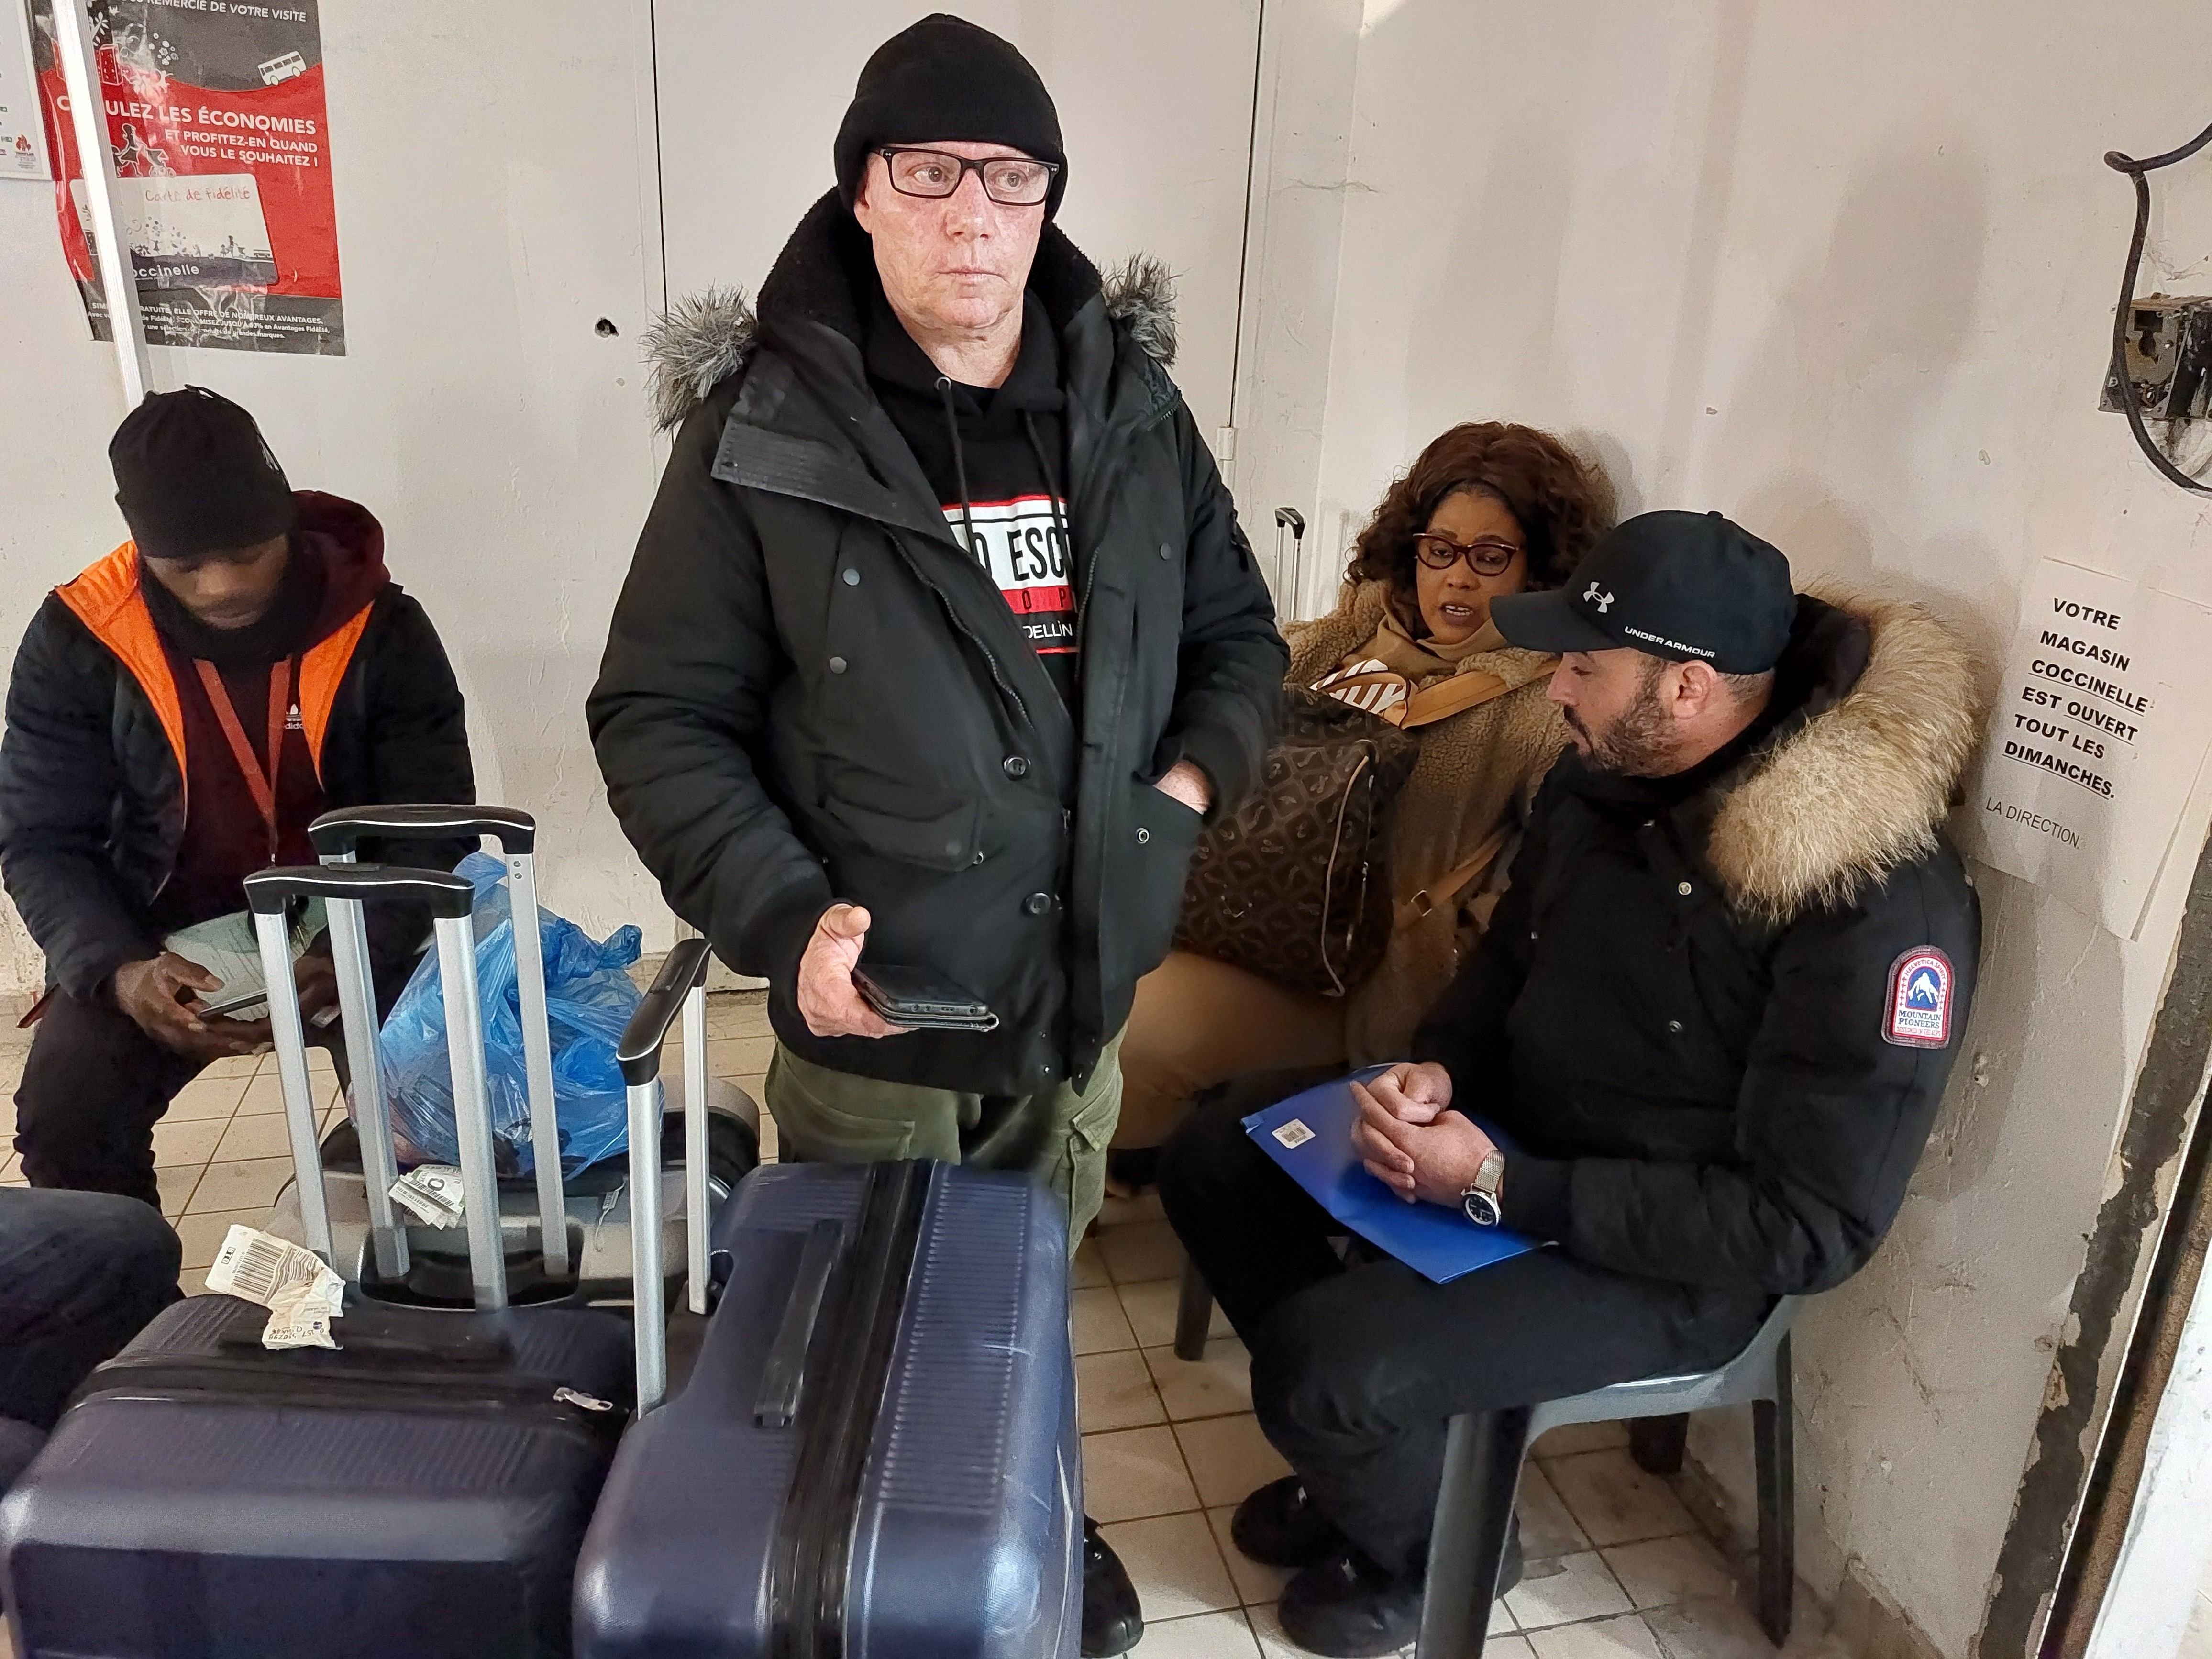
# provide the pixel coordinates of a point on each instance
(1690, 587)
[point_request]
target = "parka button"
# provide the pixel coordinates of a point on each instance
(1676, 1026)
(836, 665)
(1038, 903)
(1017, 766)
(1166, 551)
(852, 577)
(1683, 888)
(1143, 836)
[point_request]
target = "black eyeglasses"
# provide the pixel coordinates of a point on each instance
(1488, 557)
(1009, 180)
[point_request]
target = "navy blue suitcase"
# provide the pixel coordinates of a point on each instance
(420, 1491)
(876, 1455)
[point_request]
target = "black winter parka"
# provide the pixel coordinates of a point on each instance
(1685, 1015)
(811, 693)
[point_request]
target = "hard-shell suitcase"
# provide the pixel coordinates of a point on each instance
(421, 1491)
(876, 1454)
(589, 1256)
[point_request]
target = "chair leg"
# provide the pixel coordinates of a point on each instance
(1467, 1542)
(1194, 1314)
(1657, 1443)
(1772, 1430)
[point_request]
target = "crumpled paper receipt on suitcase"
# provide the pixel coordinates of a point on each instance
(301, 1293)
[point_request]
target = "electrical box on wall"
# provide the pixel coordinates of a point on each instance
(2168, 360)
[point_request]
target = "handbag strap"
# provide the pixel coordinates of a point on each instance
(1452, 696)
(1447, 888)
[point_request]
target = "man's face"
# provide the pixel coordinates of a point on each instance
(1617, 705)
(227, 589)
(955, 263)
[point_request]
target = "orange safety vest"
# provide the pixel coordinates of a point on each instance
(107, 600)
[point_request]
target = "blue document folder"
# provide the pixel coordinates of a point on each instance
(1310, 1136)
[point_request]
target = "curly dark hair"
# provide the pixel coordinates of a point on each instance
(1563, 503)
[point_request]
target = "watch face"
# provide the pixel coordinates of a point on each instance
(1481, 1208)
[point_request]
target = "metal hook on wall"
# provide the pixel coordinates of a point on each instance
(2139, 172)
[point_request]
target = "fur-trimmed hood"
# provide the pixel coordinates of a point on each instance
(1860, 779)
(703, 338)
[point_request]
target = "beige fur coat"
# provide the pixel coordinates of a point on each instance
(1476, 768)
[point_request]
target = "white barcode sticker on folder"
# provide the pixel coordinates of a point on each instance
(1293, 1134)
(301, 1294)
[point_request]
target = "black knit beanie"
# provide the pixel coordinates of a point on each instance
(193, 476)
(947, 79)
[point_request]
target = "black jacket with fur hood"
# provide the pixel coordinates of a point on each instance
(1715, 1014)
(811, 694)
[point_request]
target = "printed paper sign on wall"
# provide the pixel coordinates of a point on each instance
(215, 110)
(23, 131)
(2096, 742)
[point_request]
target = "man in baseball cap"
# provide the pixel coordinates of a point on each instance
(1697, 1052)
(1668, 636)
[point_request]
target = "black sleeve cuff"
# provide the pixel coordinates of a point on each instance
(778, 935)
(1538, 1195)
(1215, 753)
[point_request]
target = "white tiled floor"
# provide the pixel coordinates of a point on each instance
(1616, 1569)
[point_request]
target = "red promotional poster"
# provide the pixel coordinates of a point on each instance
(221, 141)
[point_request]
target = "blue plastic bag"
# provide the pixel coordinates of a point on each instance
(589, 1000)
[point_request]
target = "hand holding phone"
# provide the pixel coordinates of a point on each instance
(828, 1001)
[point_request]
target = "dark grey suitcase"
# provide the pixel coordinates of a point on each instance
(420, 1491)
(875, 1456)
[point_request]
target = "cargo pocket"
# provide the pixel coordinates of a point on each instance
(1080, 1177)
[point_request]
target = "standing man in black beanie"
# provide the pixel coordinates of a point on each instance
(940, 644)
(178, 716)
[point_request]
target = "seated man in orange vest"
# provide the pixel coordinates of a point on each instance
(178, 716)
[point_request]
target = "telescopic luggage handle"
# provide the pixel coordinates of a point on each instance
(336, 836)
(348, 887)
(679, 987)
(340, 832)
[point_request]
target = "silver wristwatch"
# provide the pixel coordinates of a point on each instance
(1484, 1201)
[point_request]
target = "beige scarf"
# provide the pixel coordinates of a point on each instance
(1410, 681)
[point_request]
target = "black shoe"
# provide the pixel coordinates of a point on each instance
(1113, 1622)
(1347, 1607)
(1130, 1169)
(1279, 1525)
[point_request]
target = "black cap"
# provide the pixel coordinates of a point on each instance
(192, 475)
(1690, 587)
(946, 79)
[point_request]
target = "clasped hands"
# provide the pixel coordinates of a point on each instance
(1411, 1142)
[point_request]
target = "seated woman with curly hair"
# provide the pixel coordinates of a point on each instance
(1487, 510)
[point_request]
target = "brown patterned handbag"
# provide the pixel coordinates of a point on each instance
(1295, 885)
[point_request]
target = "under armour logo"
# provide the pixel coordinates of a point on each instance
(1602, 601)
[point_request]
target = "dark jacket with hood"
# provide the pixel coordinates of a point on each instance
(1706, 1014)
(97, 775)
(812, 693)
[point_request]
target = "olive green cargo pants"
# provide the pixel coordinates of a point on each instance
(1060, 1136)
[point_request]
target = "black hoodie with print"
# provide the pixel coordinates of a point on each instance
(996, 458)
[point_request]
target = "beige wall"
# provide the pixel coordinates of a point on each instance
(1846, 272)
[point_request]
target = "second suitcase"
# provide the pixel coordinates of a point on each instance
(876, 1454)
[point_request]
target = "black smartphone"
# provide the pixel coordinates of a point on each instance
(916, 997)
